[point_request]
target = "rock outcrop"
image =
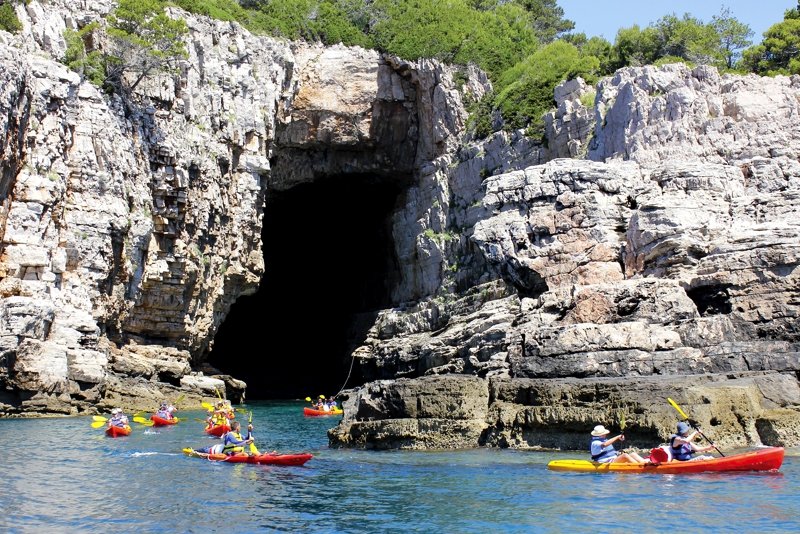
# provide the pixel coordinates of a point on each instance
(648, 249)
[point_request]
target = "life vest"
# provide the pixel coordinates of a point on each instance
(119, 421)
(682, 452)
(605, 453)
(229, 446)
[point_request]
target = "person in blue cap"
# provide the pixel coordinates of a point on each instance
(682, 446)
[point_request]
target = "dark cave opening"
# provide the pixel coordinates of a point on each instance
(329, 266)
(711, 299)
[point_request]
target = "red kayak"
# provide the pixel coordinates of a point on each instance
(160, 421)
(312, 412)
(263, 459)
(766, 459)
(116, 431)
(217, 430)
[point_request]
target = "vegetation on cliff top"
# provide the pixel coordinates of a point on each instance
(523, 45)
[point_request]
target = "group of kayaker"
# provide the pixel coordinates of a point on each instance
(166, 411)
(220, 415)
(681, 446)
(324, 405)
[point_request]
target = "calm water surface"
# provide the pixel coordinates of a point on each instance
(60, 475)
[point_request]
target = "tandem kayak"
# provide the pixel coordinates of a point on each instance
(217, 430)
(312, 412)
(766, 459)
(160, 421)
(116, 431)
(263, 459)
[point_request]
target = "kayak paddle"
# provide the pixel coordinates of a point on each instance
(98, 424)
(253, 448)
(142, 421)
(207, 406)
(99, 418)
(686, 418)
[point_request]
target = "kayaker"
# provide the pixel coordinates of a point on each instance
(165, 411)
(118, 418)
(683, 448)
(233, 442)
(602, 448)
(332, 403)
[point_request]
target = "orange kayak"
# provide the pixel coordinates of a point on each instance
(160, 421)
(217, 430)
(116, 431)
(313, 413)
(766, 459)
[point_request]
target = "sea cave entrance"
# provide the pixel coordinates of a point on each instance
(329, 266)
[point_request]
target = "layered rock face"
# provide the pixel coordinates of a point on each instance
(129, 228)
(663, 265)
(536, 295)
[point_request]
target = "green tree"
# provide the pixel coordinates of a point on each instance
(778, 52)
(734, 35)
(688, 38)
(414, 29)
(497, 39)
(635, 46)
(525, 91)
(90, 65)
(146, 40)
(595, 46)
(547, 19)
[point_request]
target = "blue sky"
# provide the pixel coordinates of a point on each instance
(605, 17)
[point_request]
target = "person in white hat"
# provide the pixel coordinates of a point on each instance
(118, 418)
(602, 448)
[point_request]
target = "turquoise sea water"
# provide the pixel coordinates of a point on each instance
(60, 475)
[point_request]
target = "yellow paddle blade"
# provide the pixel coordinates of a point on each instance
(207, 406)
(308, 399)
(621, 416)
(141, 420)
(98, 424)
(180, 398)
(675, 405)
(99, 418)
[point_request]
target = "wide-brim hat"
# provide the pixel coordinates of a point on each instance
(600, 430)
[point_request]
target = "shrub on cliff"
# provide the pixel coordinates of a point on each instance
(525, 91)
(146, 40)
(8, 18)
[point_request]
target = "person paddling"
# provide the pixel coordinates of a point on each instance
(683, 448)
(602, 448)
(232, 442)
(118, 418)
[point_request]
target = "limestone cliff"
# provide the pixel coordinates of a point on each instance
(648, 249)
(129, 228)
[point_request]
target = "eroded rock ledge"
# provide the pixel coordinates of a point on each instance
(451, 411)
